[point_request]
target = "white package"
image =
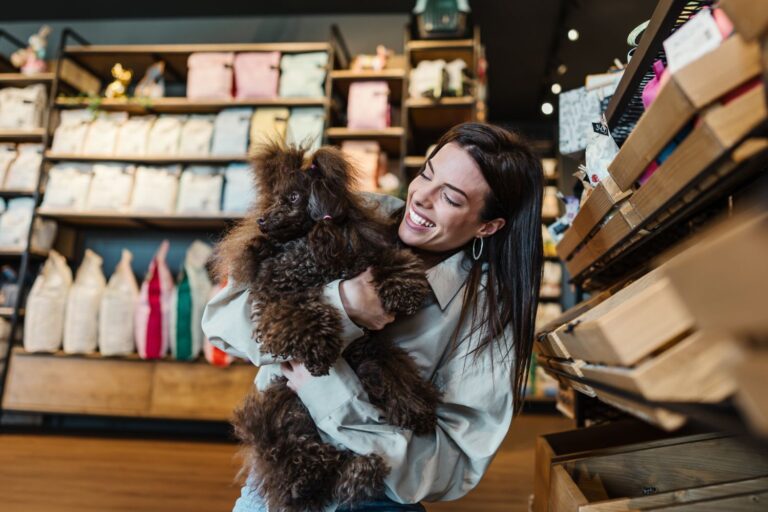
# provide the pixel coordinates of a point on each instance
(102, 133)
(67, 187)
(133, 136)
(426, 79)
(111, 187)
(118, 303)
(155, 189)
(69, 136)
(303, 75)
(200, 287)
(239, 189)
(43, 235)
(81, 320)
(200, 190)
(7, 156)
(165, 135)
(230, 133)
(305, 127)
(24, 171)
(455, 71)
(14, 223)
(22, 108)
(46, 303)
(196, 135)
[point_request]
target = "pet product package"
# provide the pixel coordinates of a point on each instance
(196, 136)
(165, 135)
(67, 187)
(81, 321)
(256, 74)
(103, 133)
(427, 79)
(200, 190)
(230, 135)
(69, 136)
(368, 106)
(210, 75)
(239, 189)
(152, 315)
(269, 123)
(133, 136)
(189, 300)
(46, 303)
(215, 355)
(22, 108)
(24, 171)
(305, 127)
(43, 235)
(14, 223)
(111, 187)
(7, 156)
(155, 188)
(116, 311)
(303, 75)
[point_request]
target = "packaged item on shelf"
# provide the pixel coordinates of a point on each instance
(551, 280)
(364, 154)
(152, 316)
(230, 134)
(257, 74)
(305, 127)
(155, 189)
(43, 235)
(67, 187)
(14, 223)
(46, 303)
(24, 171)
(457, 81)
(550, 206)
(210, 75)
(651, 89)
(600, 152)
(578, 109)
(189, 300)
(196, 136)
(269, 123)
(697, 36)
(69, 136)
(7, 156)
(200, 190)
(427, 79)
(303, 75)
(118, 88)
(116, 311)
(214, 355)
(81, 321)
(152, 84)
(110, 188)
(133, 137)
(165, 134)
(368, 106)
(103, 132)
(239, 189)
(377, 62)
(22, 108)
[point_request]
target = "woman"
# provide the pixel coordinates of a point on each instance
(474, 215)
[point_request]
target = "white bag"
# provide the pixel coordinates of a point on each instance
(24, 171)
(426, 79)
(189, 299)
(81, 321)
(200, 190)
(303, 75)
(43, 235)
(165, 135)
(600, 152)
(69, 136)
(67, 187)
(7, 156)
(196, 136)
(269, 124)
(305, 127)
(14, 223)
(155, 189)
(239, 189)
(47, 301)
(133, 137)
(230, 135)
(22, 108)
(111, 187)
(103, 133)
(118, 303)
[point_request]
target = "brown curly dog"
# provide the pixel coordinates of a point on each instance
(308, 229)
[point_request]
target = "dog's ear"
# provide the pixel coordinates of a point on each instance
(332, 181)
(271, 160)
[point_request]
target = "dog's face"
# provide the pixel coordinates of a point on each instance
(285, 215)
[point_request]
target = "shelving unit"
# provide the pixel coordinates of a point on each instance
(147, 159)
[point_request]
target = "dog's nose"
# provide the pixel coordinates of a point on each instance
(260, 221)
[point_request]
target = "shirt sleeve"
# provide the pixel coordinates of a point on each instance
(227, 323)
(473, 419)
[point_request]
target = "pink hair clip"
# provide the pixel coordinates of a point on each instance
(327, 217)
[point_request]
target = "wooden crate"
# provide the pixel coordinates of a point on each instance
(571, 368)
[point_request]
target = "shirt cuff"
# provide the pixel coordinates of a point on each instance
(349, 330)
(324, 395)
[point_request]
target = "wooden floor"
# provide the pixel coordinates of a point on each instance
(77, 474)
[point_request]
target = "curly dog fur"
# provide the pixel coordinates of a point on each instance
(308, 229)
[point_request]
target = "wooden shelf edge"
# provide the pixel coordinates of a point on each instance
(289, 47)
(341, 132)
(439, 44)
(145, 158)
(384, 74)
(460, 101)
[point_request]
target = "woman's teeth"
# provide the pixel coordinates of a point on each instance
(421, 221)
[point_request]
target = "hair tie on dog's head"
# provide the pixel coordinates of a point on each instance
(327, 217)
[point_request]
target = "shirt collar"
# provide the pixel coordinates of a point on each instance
(447, 278)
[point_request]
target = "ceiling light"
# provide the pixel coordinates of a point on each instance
(547, 108)
(556, 88)
(573, 34)
(562, 69)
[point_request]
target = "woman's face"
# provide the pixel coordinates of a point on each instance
(444, 203)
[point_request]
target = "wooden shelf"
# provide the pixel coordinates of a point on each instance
(140, 49)
(147, 159)
(35, 135)
(389, 139)
(415, 162)
(181, 105)
(7, 312)
(16, 193)
(140, 220)
(457, 102)
(384, 74)
(17, 254)
(22, 80)
(447, 49)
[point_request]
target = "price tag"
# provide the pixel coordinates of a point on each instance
(695, 38)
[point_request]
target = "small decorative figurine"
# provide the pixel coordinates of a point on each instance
(372, 62)
(152, 85)
(119, 87)
(31, 60)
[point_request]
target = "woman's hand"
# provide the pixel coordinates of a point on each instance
(296, 373)
(362, 303)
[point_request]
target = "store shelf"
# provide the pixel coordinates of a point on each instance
(18, 254)
(343, 78)
(446, 49)
(457, 102)
(437, 115)
(125, 386)
(140, 220)
(16, 193)
(388, 138)
(35, 135)
(415, 162)
(7, 312)
(147, 159)
(23, 80)
(179, 105)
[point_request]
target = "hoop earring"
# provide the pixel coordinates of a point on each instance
(475, 253)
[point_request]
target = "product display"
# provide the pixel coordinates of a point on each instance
(189, 299)
(118, 303)
(155, 189)
(303, 75)
(305, 127)
(67, 187)
(111, 188)
(69, 136)
(133, 137)
(269, 123)
(22, 108)
(257, 74)
(368, 106)
(200, 190)
(152, 325)
(210, 75)
(165, 134)
(24, 170)
(230, 135)
(46, 306)
(103, 131)
(196, 136)
(81, 321)
(239, 189)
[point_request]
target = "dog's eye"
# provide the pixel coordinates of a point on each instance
(294, 197)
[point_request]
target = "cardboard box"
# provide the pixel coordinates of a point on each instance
(749, 17)
(616, 229)
(686, 93)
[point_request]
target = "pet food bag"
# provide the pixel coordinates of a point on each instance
(368, 106)
(230, 135)
(165, 135)
(303, 75)
(103, 133)
(239, 189)
(196, 136)
(117, 308)
(69, 136)
(214, 355)
(427, 79)
(269, 124)
(152, 316)
(7, 156)
(133, 136)
(43, 235)
(22, 108)
(67, 187)
(14, 223)
(155, 188)
(210, 75)
(364, 155)
(305, 127)
(81, 321)
(24, 171)
(46, 304)
(111, 187)
(256, 74)
(200, 190)
(189, 300)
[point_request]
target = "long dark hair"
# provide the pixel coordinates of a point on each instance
(513, 254)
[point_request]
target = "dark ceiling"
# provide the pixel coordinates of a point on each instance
(525, 40)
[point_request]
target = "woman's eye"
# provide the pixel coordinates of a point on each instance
(448, 199)
(423, 174)
(294, 197)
